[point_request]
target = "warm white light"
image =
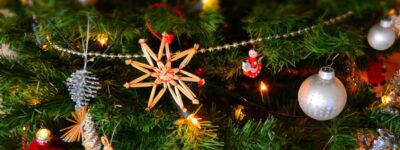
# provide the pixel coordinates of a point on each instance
(194, 121)
(386, 100)
(263, 87)
(210, 4)
(205, 1)
(102, 39)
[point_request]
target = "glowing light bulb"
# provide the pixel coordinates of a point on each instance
(386, 100)
(210, 4)
(391, 12)
(194, 121)
(102, 38)
(34, 102)
(263, 87)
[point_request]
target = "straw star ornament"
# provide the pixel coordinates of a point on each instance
(171, 79)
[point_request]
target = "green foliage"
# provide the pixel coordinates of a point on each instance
(201, 28)
(253, 135)
(229, 65)
(189, 137)
(34, 92)
(385, 121)
(342, 136)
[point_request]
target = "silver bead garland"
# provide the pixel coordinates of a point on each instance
(216, 48)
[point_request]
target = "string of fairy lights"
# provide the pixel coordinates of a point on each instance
(210, 49)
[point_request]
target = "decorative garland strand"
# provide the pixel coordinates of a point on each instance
(216, 48)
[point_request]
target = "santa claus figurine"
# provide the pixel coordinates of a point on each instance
(252, 65)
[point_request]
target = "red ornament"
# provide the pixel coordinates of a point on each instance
(169, 38)
(376, 72)
(165, 6)
(252, 66)
(23, 142)
(201, 82)
(53, 144)
(199, 71)
(380, 71)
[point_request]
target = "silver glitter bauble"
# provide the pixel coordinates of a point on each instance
(82, 86)
(322, 96)
(381, 36)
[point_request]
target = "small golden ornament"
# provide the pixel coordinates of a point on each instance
(43, 136)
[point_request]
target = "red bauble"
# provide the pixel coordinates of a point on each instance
(199, 71)
(376, 72)
(53, 144)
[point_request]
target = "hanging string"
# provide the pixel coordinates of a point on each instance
(161, 5)
(331, 60)
(87, 43)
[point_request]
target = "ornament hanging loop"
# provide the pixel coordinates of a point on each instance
(177, 11)
(329, 62)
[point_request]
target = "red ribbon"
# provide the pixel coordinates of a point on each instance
(165, 6)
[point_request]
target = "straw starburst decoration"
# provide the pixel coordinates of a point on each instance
(83, 128)
(171, 79)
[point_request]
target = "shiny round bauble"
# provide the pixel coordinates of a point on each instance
(322, 96)
(381, 36)
(43, 135)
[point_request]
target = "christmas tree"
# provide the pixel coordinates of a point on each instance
(199, 74)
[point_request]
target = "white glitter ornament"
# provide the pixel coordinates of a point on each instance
(82, 86)
(381, 36)
(322, 96)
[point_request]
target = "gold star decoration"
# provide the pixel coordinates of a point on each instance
(171, 79)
